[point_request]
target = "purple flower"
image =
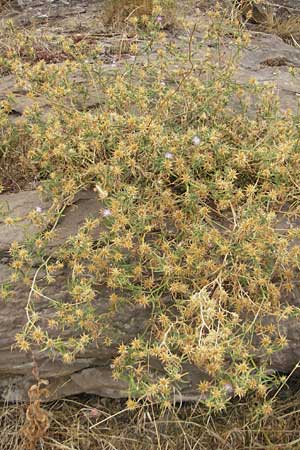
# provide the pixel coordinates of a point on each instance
(94, 412)
(196, 140)
(106, 212)
(38, 209)
(159, 19)
(229, 389)
(169, 155)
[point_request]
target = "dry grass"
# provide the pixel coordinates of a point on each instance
(118, 12)
(123, 8)
(267, 20)
(89, 423)
(286, 28)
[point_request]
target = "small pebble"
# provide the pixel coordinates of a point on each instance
(41, 16)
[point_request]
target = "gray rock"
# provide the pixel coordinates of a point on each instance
(18, 206)
(268, 59)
